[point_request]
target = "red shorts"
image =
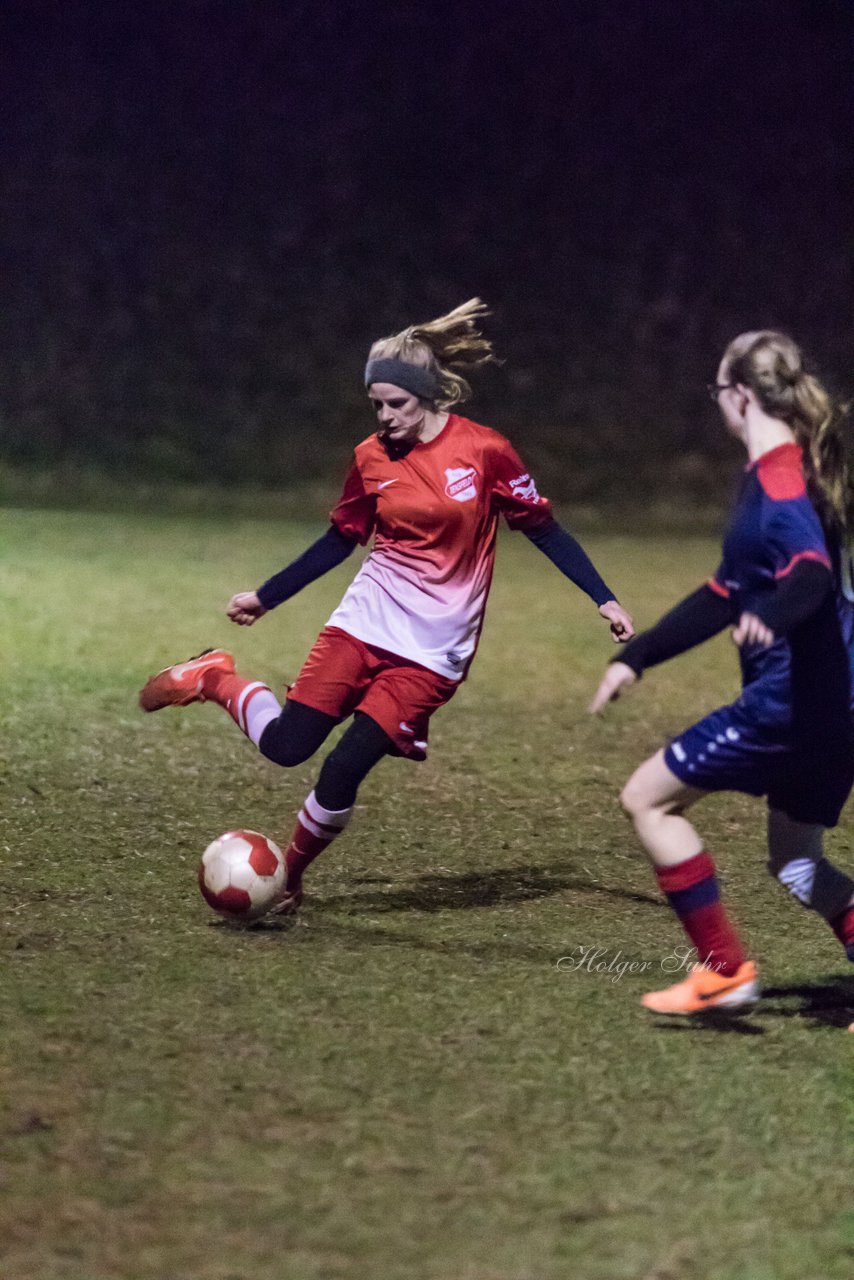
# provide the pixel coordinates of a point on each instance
(342, 675)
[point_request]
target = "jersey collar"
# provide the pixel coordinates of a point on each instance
(788, 454)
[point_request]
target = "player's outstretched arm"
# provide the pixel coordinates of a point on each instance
(332, 549)
(697, 618)
(568, 555)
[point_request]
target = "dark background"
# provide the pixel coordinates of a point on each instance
(209, 210)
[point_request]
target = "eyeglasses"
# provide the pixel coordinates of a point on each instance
(714, 389)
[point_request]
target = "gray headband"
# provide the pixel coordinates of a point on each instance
(417, 381)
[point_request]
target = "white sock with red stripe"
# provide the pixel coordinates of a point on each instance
(250, 703)
(316, 828)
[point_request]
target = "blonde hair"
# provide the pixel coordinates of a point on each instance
(772, 365)
(448, 346)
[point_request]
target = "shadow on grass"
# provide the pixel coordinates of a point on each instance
(827, 1002)
(502, 949)
(367, 934)
(363, 934)
(719, 1022)
(432, 893)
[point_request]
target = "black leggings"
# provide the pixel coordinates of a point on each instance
(298, 732)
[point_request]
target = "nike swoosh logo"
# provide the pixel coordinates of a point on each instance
(710, 995)
(384, 484)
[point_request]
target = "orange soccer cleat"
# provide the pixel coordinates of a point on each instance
(179, 685)
(704, 990)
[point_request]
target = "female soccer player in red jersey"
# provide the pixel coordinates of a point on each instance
(784, 585)
(428, 487)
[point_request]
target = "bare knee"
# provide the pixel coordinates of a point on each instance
(637, 802)
(630, 799)
(642, 805)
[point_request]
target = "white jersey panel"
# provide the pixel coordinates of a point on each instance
(391, 606)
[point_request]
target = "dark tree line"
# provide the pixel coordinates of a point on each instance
(210, 209)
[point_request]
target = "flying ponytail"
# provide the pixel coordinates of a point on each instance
(771, 364)
(448, 347)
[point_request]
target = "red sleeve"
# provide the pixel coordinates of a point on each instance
(355, 513)
(514, 491)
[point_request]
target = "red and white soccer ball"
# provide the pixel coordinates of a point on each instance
(241, 874)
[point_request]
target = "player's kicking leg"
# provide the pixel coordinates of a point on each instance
(211, 677)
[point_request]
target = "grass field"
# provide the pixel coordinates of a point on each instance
(413, 1082)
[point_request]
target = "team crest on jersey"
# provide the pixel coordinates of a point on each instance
(462, 483)
(524, 489)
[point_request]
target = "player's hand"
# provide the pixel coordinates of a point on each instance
(752, 630)
(617, 677)
(622, 627)
(245, 608)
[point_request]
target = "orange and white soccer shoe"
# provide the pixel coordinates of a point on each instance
(704, 990)
(179, 685)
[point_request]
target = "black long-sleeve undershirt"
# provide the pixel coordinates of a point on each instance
(569, 556)
(696, 618)
(705, 613)
(333, 548)
(326, 553)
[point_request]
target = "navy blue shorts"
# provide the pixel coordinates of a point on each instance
(728, 751)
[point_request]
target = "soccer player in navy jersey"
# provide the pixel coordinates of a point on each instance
(428, 490)
(784, 585)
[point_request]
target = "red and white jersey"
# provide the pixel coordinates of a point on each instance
(433, 515)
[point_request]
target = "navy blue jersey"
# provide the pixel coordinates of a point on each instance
(773, 528)
(843, 576)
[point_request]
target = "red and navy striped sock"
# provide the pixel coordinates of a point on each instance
(843, 926)
(693, 892)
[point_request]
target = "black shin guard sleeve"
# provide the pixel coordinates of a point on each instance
(832, 890)
(296, 734)
(361, 747)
